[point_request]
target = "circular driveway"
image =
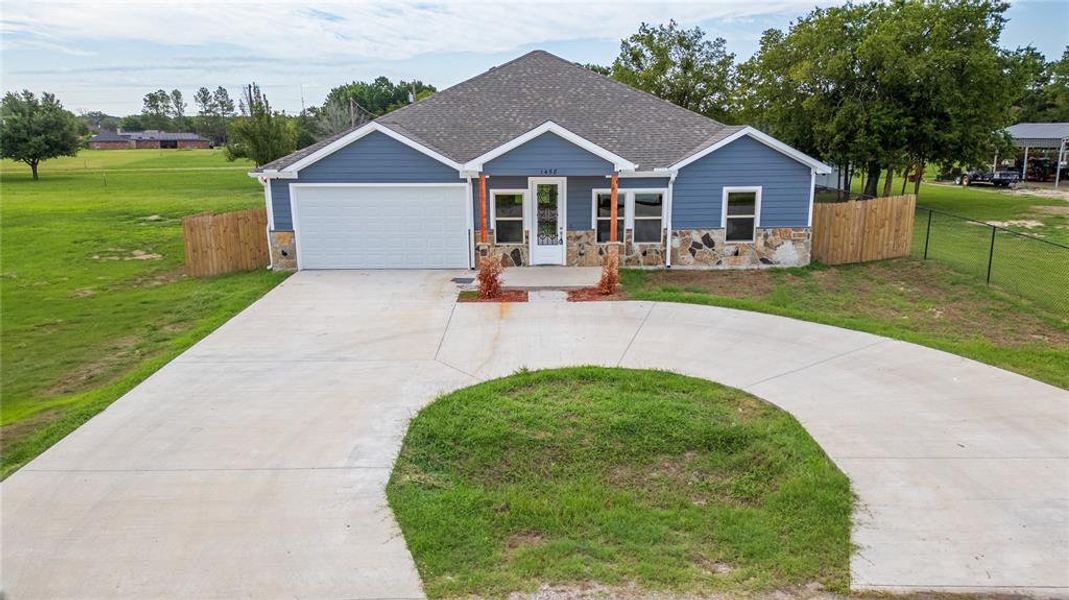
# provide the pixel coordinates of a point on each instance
(254, 465)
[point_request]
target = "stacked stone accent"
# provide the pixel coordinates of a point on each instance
(585, 251)
(773, 247)
(512, 255)
(283, 250)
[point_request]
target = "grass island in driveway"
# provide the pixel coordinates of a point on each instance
(620, 477)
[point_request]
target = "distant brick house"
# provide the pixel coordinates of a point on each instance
(149, 139)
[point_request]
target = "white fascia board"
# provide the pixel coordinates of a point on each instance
(658, 173)
(619, 163)
(355, 135)
(765, 139)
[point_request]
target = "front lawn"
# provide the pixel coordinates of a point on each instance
(620, 477)
(92, 290)
(924, 302)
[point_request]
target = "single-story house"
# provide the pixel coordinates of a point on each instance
(540, 161)
(150, 138)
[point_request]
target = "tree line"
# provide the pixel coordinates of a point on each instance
(875, 88)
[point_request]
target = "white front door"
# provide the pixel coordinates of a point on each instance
(547, 218)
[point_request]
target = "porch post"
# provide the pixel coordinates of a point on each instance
(482, 209)
(612, 210)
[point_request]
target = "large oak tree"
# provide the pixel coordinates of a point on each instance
(36, 129)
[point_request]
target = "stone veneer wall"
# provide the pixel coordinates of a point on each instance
(283, 250)
(584, 251)
(512, 255)
(773, 246)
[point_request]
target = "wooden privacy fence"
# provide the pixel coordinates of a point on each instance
(233, 241)
(863, 230)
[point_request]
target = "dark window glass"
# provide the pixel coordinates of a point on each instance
(647, 205)
(603, 229)
(508, 205)
(605, 204)
(740, 229)
(647, 230)
(509, 232)
(742, 203)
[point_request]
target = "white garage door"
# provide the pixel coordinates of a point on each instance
(381, 227)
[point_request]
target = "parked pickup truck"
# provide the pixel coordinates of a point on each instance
(996, 178)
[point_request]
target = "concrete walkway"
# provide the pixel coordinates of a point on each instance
(253, 466)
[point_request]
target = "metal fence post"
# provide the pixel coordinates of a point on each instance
(927, 234)
(991, 253)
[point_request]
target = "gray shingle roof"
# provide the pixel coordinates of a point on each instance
(477, 115)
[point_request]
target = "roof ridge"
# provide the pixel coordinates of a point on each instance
(625, 86)
(468, 80)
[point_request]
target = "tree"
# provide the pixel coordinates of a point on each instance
(377, 97)
(156, 110)
(33, 130)
(680, 66)
(599, 69)
(205, 102)
(98, 120)
(887, 85)
(260, 133)
(223, 104)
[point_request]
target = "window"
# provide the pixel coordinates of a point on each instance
(741, 206)
(603, 208)
(508, 217)
(647, 215)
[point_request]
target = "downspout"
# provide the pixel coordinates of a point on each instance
(668, 222)
(471, 222)
(270, 202)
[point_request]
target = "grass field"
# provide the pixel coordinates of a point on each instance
(93, 294)
(620, 477)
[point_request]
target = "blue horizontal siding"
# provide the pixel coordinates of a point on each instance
(492, 183)
(785, 183)
(374, 158)
(548, 155)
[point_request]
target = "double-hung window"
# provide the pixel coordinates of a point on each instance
(740, 210)
(647, 214)
(639, 210)
(603, 206)
(508, 216)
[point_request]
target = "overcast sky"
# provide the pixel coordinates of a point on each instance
(105, 55)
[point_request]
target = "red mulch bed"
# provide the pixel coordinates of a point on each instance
(505, 296)
(593, 295)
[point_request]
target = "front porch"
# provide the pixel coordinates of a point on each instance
(550, 278)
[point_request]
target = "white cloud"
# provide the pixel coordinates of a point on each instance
(389, 30)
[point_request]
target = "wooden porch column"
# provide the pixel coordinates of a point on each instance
(612, 209)
(483, 226)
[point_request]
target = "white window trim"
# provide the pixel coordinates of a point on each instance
(523, 211)
(629, 207)
(724, 211)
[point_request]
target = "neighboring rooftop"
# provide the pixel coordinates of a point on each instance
(477, 115)
(1039, 135)
(149, 134)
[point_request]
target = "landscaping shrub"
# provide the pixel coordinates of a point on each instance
(610, 272)
(490, 270)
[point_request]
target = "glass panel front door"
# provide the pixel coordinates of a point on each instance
(547, 243)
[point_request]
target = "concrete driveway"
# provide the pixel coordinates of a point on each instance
(253, 466)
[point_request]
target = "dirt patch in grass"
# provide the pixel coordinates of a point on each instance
(118, 355)
(731, 284)
(593, 295)
(505, 296)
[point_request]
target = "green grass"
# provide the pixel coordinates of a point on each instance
(618, 477)
(926, 303)
(92, 291)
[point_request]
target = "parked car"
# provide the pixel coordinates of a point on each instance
(996, 178)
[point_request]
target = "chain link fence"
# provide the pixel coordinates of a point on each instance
(1027, 265)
